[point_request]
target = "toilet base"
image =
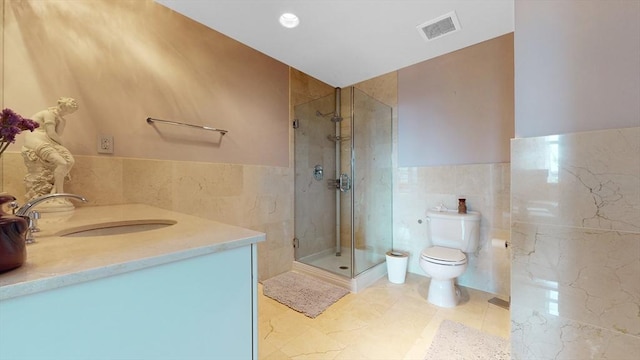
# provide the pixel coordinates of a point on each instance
(442, 293)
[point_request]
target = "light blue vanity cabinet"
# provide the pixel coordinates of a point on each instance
(198, 308)
(185, 291)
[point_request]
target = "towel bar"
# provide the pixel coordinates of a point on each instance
(152, 120)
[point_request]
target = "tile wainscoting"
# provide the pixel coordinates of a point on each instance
(486, 188)
(576, 246)
(255, 197)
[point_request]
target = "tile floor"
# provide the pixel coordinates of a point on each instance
(385, 321)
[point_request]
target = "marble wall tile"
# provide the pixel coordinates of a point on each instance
(99, 176)
(586, 180)
(148, 182)
(586, 275)
(274, 182)
(536, 335)
(83, 178)
(438, 179)
(473, 179)
(304, 88)
(14, 171)
(576, 245)
(383, 88)
(500, 195)
(255, 197)
(212, 180)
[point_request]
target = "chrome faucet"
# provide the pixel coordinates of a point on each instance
(32, 216)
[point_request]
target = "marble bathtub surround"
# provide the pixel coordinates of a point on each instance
(576, 245)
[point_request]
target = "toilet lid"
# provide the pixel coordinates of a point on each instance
(444, 254)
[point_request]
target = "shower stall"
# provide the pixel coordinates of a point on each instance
(343, 188)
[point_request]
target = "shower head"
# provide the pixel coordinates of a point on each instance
(334, 116)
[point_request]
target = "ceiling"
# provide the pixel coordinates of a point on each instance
(343, 42)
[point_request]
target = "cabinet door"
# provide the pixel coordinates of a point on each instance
(198, 308)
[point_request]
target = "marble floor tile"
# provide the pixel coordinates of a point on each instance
(384, 321)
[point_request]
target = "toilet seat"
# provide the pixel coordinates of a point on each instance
(443, 256)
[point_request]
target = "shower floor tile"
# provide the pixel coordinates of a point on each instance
(341, 265)
(383, 321)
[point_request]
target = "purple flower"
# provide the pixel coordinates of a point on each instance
(12, 124)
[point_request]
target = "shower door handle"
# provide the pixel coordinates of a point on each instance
(344, 183)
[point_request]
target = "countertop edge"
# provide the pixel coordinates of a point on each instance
(58, 281)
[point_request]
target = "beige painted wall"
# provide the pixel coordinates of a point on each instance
(458, 108)
(125, 61)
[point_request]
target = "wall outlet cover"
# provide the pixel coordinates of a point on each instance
(105, 144)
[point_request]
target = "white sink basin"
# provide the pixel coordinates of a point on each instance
(116, 228)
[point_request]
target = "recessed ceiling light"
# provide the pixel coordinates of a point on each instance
(289, 20)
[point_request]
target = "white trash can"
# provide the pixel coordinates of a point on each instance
(397, 262)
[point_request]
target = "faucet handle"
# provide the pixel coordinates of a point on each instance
(34, 216)
(13, 206)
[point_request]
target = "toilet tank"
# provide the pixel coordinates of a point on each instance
(458, 231)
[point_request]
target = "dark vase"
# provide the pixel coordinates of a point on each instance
(13, 230)
(462, 206)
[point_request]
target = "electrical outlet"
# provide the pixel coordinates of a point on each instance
(105, 144)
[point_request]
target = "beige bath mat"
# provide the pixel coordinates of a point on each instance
(455, 341)
(302, 293)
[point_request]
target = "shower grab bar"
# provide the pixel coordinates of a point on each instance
(152, 120)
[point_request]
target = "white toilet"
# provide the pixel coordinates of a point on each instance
(451, 235)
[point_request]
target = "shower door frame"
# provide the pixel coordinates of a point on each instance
(343, 160)
(316, 110)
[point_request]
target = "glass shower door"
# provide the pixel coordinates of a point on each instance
(315, 163)
(372, 181)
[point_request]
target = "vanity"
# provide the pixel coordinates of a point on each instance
(153, 284)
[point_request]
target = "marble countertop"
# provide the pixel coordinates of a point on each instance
(55, 261)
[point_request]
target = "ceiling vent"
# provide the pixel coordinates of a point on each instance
(445, 24)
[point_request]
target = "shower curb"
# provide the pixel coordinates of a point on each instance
(361, 282)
